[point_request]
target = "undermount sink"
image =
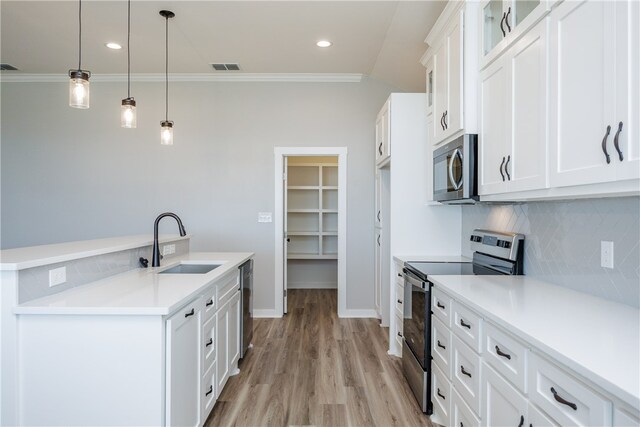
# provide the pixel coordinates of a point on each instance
(190, 269)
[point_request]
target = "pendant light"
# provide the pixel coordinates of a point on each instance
(166, 126)
(79, 79)
(128, 107)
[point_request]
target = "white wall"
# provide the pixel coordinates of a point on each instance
(71, 174)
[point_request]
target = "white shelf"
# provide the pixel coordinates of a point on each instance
(304, 210)
(304, 187)
(312, 256)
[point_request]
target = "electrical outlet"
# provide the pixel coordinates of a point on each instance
(57, 276)
(168, 250)
(606, 254)
(264, 217)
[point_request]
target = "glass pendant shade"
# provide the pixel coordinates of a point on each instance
(166, 132)
(79, 89)
(128, 113)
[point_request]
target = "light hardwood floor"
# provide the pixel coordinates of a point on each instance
(313, 368)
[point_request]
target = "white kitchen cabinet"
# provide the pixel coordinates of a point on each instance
(595, 89)
(440, 397)
(537, 418)
(234, 329)
(513, 117)
(626, 418)
(461, 414)
(222, 344)
(502, 404)
(429, 88)
(183, 366)
(383, 139)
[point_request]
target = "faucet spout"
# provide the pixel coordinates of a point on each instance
(156, 247)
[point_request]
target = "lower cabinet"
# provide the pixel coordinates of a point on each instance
(183, 366)
(461, 414)
(234, 329)
(222, 326)
(502, 404)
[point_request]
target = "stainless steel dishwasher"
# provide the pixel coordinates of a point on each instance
(246, 320)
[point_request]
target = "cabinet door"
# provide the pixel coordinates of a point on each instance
(429, 87)
(441, 91)
(183, 367)
(528, 116)
(222, 343)
(379, 139)
(378, 273)
(583, 65)
(454, 112)
(378, 195)
(627, 90)
(383, 140)
(502, 405)
(234, 329)
(494, 127)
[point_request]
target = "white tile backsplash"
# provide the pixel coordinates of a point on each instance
(562, 243)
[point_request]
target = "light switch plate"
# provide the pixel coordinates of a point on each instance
(57, 276)
(264, 217)
(606, 254)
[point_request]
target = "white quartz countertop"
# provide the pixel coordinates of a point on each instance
(35, 256)
(430, 258)
(138, 292)
(596, 338)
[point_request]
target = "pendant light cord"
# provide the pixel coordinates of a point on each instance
(129, 49)
(166, 69)
(79, 35)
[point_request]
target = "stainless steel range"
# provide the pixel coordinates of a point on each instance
(494, 253)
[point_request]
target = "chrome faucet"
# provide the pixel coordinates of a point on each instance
(156, 247)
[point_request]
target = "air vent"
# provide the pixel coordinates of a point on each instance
(226, 67)
(7, 67)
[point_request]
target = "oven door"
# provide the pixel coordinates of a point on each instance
(417, 318)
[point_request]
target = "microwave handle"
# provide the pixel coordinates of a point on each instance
(456, 184)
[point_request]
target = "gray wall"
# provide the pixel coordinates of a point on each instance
(75, 174)
(562, 243)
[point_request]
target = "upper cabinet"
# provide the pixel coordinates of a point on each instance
(504, 21)
(594, 110)
(451, 72)
(383, 140)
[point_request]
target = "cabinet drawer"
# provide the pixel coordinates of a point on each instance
(461, 414)
(399, 300)
(399, 326)
(226, 289)
(441, 345)
(467, 372)
(441, 306)
(207, 393)
(502, 404)
(506, 355)
(550, 385)
(467, 325)
(441, 397)
(208, 344)
(209, 304)
(537, 418)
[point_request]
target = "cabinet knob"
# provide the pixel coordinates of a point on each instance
(501, 353)
(521, 421)
(464, 371)
(464, 324)
(399, 301)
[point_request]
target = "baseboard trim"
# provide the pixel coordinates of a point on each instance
(368, 313)
(312, 285)
(269, 313)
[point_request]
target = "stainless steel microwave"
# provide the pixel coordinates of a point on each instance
(455, 167)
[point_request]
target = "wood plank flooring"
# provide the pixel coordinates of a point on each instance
(313, 368)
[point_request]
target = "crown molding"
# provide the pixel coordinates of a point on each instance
(199, 77)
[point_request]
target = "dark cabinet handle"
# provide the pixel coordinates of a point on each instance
(399, 275)
(288, 240)
(441, 395)
(211, 387)
(521, 421)
(399, 334)
(604, 144)
(378, 215)
(441, 346)
(615, 141)
(191, 313)
(209, 342)
(209, 303)
(559, 399)
(506, 167)
(446, 125)
(500, 353)
(442, 121)
(501, 165)
(464, 325)
(464, 371)
(440, 305)
(378, 240)
(504, 15)
(506, 19)
(461, 425)
(399, 301)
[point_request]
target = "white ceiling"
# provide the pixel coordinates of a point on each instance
(383, 39)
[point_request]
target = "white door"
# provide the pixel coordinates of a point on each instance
(503, 404)
(494, 117)
(222, 342)
(528, 114)
(285, 246)
(234, 329)
(581, 93)
(441, 92)
(183, 367)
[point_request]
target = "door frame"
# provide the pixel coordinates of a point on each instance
(280, 153)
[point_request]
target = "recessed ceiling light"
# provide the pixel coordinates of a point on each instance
(112, 45)
(324, 43)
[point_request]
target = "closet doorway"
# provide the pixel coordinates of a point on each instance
(310, 221)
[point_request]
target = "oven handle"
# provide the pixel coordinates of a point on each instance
(456, 184)
(414, 281)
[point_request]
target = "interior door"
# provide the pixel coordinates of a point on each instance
(285, 246)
